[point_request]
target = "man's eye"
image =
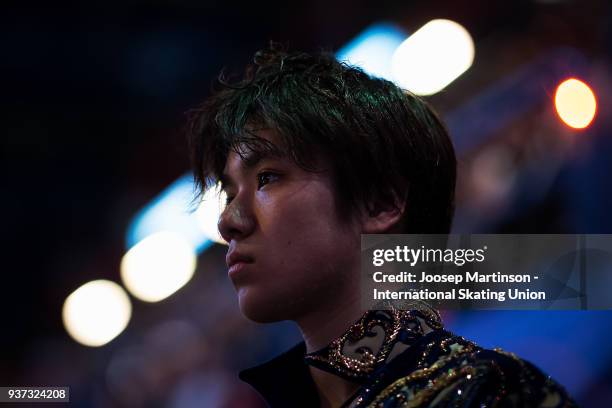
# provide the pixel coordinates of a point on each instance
(265, 177)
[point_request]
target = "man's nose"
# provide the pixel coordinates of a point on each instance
(236, 221)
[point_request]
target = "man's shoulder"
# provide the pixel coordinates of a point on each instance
(455, 372)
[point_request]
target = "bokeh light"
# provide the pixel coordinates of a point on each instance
(373, 49)
(209, 211)
(96, 312)
(158, 266)
(171, 210)
(433, 57)
(575, 103)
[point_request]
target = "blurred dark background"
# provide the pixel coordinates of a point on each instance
(93, 105)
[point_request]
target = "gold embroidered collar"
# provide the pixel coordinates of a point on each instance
(374, 340)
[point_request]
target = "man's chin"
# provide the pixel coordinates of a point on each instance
(260, 308)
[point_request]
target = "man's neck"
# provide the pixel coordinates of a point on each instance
(321, 328)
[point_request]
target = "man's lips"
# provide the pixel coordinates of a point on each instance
(236, 260)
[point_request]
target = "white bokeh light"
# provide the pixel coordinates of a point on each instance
(575, 103)
(433, 57)
(158, 266)
(209, 211)
(96, 312)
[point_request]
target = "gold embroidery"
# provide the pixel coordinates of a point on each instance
(366, 359)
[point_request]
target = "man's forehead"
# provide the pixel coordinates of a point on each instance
(265, 144)
(247, 159)
(249, 152)
(258, 143)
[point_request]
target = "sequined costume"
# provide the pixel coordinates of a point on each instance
(407, 359)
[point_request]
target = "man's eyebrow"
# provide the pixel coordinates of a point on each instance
(252, 158)
(249, 160)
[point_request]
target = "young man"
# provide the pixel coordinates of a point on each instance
(312, 153)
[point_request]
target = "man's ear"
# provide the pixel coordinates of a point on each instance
(383, 220)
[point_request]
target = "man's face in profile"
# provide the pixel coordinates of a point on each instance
(289, 253)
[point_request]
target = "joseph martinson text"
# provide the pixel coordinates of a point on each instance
(455, 293)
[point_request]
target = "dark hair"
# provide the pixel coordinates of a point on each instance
(381, 142)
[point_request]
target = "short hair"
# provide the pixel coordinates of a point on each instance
(381, 142)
